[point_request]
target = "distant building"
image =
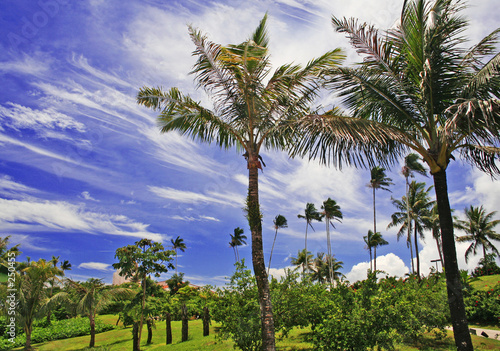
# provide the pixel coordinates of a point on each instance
(118, 279)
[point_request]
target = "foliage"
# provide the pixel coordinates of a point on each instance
(483, 306)
(380, 314)
(57, 330)
(487, 266)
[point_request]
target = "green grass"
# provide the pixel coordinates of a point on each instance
(486, 282)
(297, 340)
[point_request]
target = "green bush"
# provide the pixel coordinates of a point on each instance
(63, 329)
(483, 306)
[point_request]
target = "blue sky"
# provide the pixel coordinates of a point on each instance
(84, 169)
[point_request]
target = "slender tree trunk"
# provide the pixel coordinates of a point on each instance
(329, 249)
(142, 312)
(92, 330)
(306, 268)
(185, 331)
(374, 227)
(271, 255)
(168, 323)
(176, 261)
(136, 340)
(27, 331)
(408, 223)
(206, 321)
(259, 267)
(440, 250)
(149, 323)
(375, 259)
(411, 254)
(416, 251)
(453, 282)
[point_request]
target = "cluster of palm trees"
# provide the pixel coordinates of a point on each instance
(416, 89)
(323, 268)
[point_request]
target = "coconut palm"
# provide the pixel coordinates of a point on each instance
(331, 211)
(411, 166)
(478, 228)
(232, 243)
(177, 244)
(374, 240)
(252, 111)
(6, 253)
(93, 296)
(304, 260)
(420, 205)
(326, 268)
(310, 214)
(279, 223)
(378, 180)
(431, 221)
(417, 89)
(237, 239)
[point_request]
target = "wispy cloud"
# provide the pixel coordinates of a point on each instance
(63, 216)
(191, 197)
(98, 266)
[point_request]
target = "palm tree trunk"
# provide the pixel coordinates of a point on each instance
(259, 267)
(411, 254)
(416, 251)
(27, 331)
(374, 227)
(271, 255)
(453, 282)
(375, 259)
(305, 258)
(408, 223)
(440, 250)
(176, 261)
(329, 250)
(92, 329)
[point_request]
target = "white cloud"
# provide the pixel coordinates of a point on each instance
(390, 263)
(191, 197)
(194, 219)
(21, 117)
(98, 266)
(86, 195)
(63, 216)
(12, 188)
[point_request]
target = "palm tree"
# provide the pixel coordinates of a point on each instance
(303, 260)
(178, 243)
(331, 211)
(310, 214)
(6, 253)
(237, 239)
(411, 165)
(417, 89)
(52, 281)
(326, 268)
(374, 240)
(232, 244)
(420, 206)
(251, 111)
(431, 221)
(32, 298)
(93, 296)
(378, 180)
(478, 228)
(279, 223)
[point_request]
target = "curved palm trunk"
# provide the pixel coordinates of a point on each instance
(416, 251)
(306, 267)
(271, 255)
(329, 249)
(374, 227)
(259, 267)
(453, 282)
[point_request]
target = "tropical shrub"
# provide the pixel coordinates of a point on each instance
(487, 266)
(483, 306)
(62, 329)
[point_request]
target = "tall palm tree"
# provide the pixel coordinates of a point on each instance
(279, 223)
(378, 180)
(374, 240)
(326, 268)
(478, 228)
(411, 166)
(237, 239)
(177, 244)
(304, 260)
(431, 221)
(417, 89)
(232, 243)
(331, 211)
(310, 214)
(419, 205)
(252, 111)
(93, 296)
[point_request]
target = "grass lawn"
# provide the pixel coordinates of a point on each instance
(486, 282)
(121, 339)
